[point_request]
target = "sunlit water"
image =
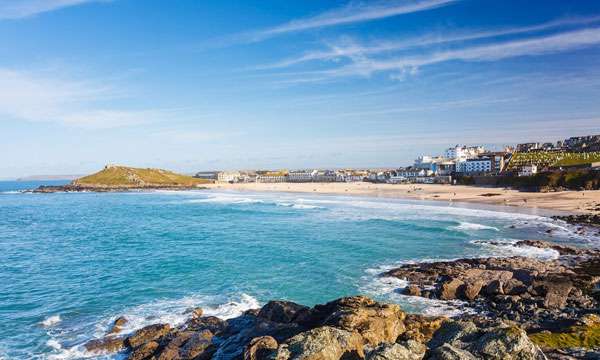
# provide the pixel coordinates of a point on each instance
(70, 263)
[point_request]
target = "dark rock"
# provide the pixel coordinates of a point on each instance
(449, 289)
(281, 311)
(144, 351)
(211, 323)
(260, 348)
(449, 352)
(412, 290)
(196, 344)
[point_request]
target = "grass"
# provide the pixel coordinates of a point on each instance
(552, 159)
(575, 337)
(122, 176)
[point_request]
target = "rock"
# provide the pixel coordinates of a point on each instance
(148, 333)
(471, 290)
(323, 343)
(421, 328)
(494, 288)
(449, 352)
(453, 331)
(211, 323)
(388, 351)
(557, 292)
(118, 325)
(144, 351)
(108, 344)
(375, 322)
(195, 312)
(449, 288)
(281, 311)
(507, 343)
(260, 348)
(196, 344)
(171, 344)
(514, 287)
(412, 290)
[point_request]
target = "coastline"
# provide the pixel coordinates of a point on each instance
(565, 202)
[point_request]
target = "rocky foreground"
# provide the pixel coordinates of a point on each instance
(526, 309)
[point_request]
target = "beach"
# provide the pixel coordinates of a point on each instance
(576, 202)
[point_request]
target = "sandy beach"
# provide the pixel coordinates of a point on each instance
(576, 202)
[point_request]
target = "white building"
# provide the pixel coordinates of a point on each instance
(528, 170)
(300, 176)
(424, 162)
(463, 152)
(480, 165)
(229, 176)
(272, 177)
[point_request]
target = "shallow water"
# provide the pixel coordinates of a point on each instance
(70, 263)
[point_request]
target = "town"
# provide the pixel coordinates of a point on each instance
(459, 164)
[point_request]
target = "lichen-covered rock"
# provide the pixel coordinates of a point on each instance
(507, 343)
(196, 344)
(148, 333)
(118, 325)
(449, 352)
(260, 348)
(322, 343)
(375, 322)
(388, 351)
(144, 351)
(452, 332)
(420, 327)
(449, 289)
(211, 323)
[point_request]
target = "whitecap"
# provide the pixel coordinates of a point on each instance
(508, 247)
(51, 321)
(467, 226)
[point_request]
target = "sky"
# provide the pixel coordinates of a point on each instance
(212, 85)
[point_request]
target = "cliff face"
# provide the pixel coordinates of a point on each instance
(128, 177)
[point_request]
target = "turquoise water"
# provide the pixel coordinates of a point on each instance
(70, 263)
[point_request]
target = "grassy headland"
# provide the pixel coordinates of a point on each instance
(129, 177)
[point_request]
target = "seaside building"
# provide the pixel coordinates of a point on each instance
(463, 152)
(325, 176)
(229, 176)
(272, 177)
(525, 147)
(475, 166)
(528, 170)
(207, 175)
(301, 176)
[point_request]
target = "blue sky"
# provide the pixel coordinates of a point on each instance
(198, 85)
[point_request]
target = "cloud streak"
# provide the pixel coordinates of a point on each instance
(352, 13)
(362, 65)
(18, 9)
(37, 98)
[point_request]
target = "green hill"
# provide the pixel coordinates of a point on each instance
(128, 177)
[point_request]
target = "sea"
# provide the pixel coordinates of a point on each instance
(71, 263)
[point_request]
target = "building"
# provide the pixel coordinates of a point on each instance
(424, 162)
(207, 175)
(325, 176)
(528, 147)
(443, 167)
(463, 152)
(271, 177)
(475, 166)
(301, 176)
(528, 170)
(583, 143)
(229, 176)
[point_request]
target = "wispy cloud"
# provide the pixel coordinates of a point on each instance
(17, 9)
(352, 13)
(348, 47)
(37, 97)
(362, 65)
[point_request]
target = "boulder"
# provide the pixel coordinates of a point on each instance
(322, 343)
(449, 289)
(211, 323)
(507, 343)
(281, 311)
(557, 293)
(387, 351)
(449, 352)
(108, 344)
(452, 332)
(148, 333)
(375, 322)
(514, 287)
(118, 325)
(471, 289)
(494, 288)
(412, 290)
(172, 343)
(196, 344)
(260, 348)
(420, 327)
(144, 351)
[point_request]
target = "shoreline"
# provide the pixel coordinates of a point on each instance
(563, 202)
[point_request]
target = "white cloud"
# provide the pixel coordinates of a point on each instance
(352, 13)
(17, 9)
(40, 98)
(362, 65)
(346, 47)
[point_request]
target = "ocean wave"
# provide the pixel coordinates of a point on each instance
(508, 247)
(227, 200)
(51, 321)
(467, 226)
(173, 311)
